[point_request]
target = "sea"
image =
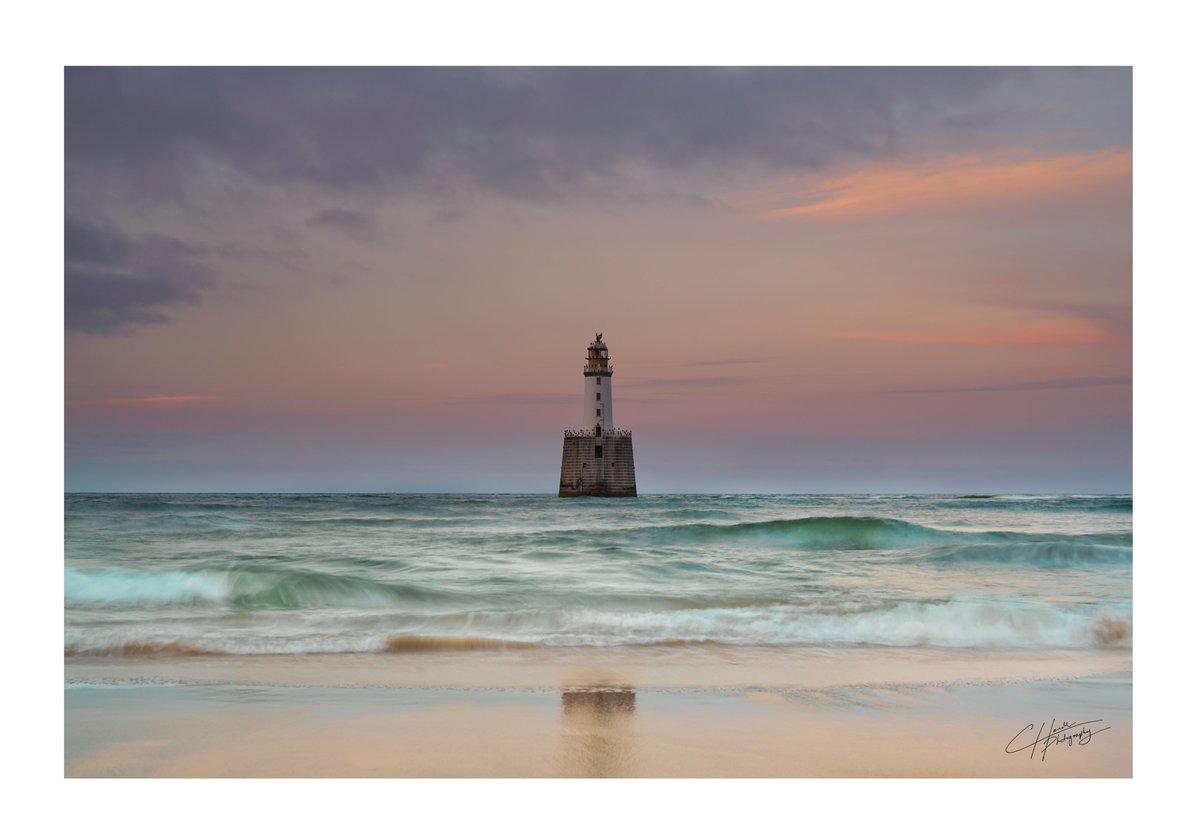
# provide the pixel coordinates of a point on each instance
(251, 574)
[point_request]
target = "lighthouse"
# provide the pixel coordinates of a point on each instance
(597, 457)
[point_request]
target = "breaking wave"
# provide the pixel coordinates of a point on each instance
(1048, 555)
(947, 624)
(953, 623)
(853, 533)
(247, 589)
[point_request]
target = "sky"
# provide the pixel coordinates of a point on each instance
(810, 279)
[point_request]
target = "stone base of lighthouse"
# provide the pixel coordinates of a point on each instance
(597, 465)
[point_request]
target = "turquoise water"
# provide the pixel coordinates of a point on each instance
(174, 574)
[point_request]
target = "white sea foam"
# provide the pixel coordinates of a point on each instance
(117, 586)
(953, 624)
(957, 623)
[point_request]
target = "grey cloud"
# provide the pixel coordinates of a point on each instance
(563, 398)
(447, 217)
(549, 132)
(699, 381)
(88, 243)
(1044, 385)
(113, 282)
(724, 362)
(353, 223)
(520, 399)
(338, 218)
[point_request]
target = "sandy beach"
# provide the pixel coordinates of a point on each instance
(708, 711)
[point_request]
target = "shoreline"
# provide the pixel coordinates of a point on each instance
(651, 666)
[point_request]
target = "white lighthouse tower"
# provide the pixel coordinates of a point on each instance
(597, 387)
(597, 457)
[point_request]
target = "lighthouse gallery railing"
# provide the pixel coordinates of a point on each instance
(592, 433)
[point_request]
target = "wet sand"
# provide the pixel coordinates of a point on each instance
(682, 712)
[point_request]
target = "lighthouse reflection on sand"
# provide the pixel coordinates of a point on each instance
(598, 731)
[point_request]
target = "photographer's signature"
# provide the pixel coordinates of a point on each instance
(1052, 734)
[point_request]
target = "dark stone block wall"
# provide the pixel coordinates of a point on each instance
(585, 475)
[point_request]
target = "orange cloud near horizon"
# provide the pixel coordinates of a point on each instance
(942, 184)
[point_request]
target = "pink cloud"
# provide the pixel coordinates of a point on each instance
(1042, 334)
(156, 400)
(945, 184)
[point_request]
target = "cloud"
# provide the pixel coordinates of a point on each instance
(1058, 333)
(541, 133)
(352, 223)
(113, 281)
(1044, 385)
(520, 399)
(159, 400)
(447, 217)
(695, 382)
(724, 362)
(1114, 317)
(956, 184)
(217, 150)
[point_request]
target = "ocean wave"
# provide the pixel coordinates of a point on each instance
(118, 586)
(1077, 503)
(245, 589)
(954, 623)
(239, 575)
(851, 533)
(377, 521)
(267, 647)
(1050, 554)
(957, 623)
